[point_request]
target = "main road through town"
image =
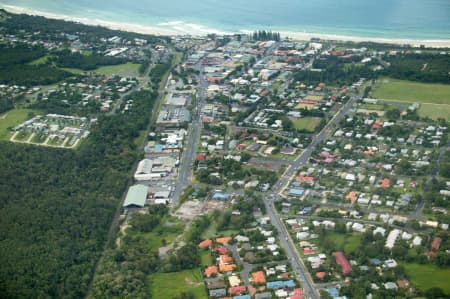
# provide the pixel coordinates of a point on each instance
(286, 241)
(193, 137)
(188, 158)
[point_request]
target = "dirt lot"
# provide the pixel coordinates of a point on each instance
(192, 208)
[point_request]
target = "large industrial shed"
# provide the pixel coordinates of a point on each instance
(136, 198)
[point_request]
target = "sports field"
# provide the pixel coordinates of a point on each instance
(407, 91)
(124, 70)
(428, 276)
(435, 111)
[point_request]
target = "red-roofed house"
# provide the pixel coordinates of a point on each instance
(225, 259)
(258, 277)
(298, 292)
(221, 250)
(205, 244)
(352, 196)
(321, 275)
(227, 268)
(241, 147)
(264, 93)
(211, 271)
(386, 183)
(377, 124)
(207, 120)
(214, 79)
(343, 262)
(224, 240)
(201, 157)
(237, 290)
(436, 244)
(304, 178)
(308, 251)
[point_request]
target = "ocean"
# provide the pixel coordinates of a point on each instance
(410, 19)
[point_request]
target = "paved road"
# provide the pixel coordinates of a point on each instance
(286, 241)
(418, 212)
(193, 138)
(247, 267)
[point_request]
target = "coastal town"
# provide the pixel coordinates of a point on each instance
(264, 167)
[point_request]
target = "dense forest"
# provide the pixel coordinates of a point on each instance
(335, 71)
(14, 67)
(56, 206)
(428, 68)
(6, 104)
(72, 104)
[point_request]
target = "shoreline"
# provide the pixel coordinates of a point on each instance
(156, 30)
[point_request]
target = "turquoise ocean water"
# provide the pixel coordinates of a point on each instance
(412, 19)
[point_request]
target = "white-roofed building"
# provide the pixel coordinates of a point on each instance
(392, 238)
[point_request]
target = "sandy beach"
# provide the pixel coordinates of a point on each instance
(161, 30)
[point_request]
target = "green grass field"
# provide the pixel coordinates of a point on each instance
(346, 242)
(307, 123)
(73, 70)
(41, 60)
(372, 107)
(428, 276)
(11, 119)
(408, 91)
(434, 111)
(169, 285)
(206, 258)
(124, 70)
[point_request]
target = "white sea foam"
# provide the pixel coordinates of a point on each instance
(182, 28)
(171, 23)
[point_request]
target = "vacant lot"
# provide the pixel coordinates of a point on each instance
(307, 123)
(408, 91)
(11, 119)
(347, 242)
(169, 285)
(428, 276)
